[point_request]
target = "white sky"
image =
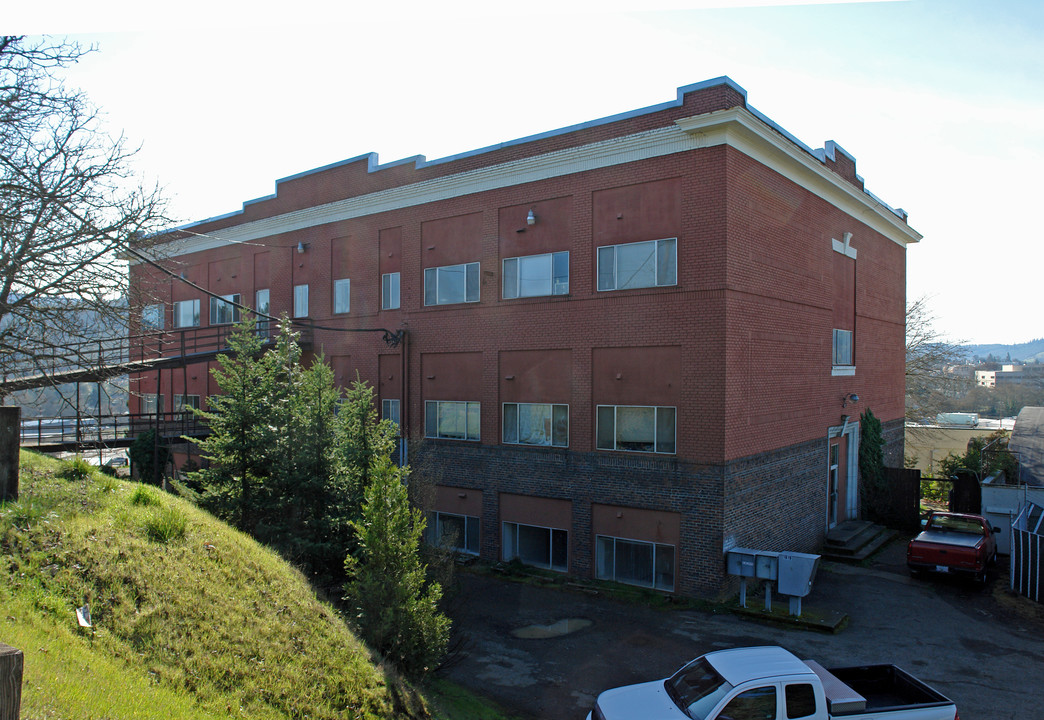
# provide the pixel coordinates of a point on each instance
(940, 101)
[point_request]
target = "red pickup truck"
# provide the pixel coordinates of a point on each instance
(954, 543)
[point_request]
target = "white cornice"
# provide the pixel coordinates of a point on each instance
(736, 127)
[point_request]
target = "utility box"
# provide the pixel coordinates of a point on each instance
(796, 573)
(747, 563)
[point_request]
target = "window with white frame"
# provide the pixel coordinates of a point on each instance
(390, 291)
(652, 263)
(634, 562)
(536, 275)
(451, 420)
(451, 284)
(390, 410)
(151, 404)
(182, 403)
(542, 547)
(300, 301)
(152, 317)
(453, 532)
(342, 295)
(223, 311)
(262, 307)
(186, 313)
(536, 424)
(636, 428)
(843, 347)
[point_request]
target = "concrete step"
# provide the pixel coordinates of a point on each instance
(855, 540)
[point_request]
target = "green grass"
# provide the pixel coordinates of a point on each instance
(191, 619)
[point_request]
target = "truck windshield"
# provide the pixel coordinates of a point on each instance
(697, 688)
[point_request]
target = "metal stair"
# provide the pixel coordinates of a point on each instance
(855, 540)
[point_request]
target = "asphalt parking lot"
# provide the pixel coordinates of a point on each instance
(981, 647)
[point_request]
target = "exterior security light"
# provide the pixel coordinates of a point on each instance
(531, 218)
(849, 398)
(300, 247)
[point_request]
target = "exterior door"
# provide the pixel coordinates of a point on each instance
(837, 481)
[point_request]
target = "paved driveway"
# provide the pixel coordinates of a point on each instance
(982, 648)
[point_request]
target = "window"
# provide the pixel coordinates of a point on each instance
(635, 562)
(451, 420)
(456, 532)
(536, 275)
(538, 546)
(261, 305)
(801, 701)
(756, 704)
(451, 284)
(390, 410)
(223, 312)
(636, 428)
(390, 291)
(635, 265)
(152, 317)
(342, 295)
(300, 301)
(186, 313)
(842, 347)
(536, 424)
(151, 404)
(183, 402)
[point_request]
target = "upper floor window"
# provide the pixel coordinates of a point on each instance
(342, 295)
(536, 275)
(186, 313)
(451, 420)
(451, 284)
(222, 311)
(636, 265)
(536, 424)
(636, 428)
(152, 317)
(390, 410)
(262, 307)
(390, 291)
(300, 301)
(842, 347)
(151, 404)
(182, 403)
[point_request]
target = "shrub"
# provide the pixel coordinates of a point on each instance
(78, 469)
(143, 495)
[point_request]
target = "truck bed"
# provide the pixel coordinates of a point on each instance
(886, 687)
(948, 538)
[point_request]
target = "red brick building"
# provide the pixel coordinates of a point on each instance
(630, 344)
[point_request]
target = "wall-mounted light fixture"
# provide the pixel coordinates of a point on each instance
(301, 247)
(849, 398)
(531, 218)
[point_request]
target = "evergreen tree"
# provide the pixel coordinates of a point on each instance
(871, 466)
(245, 422)
(396, 612)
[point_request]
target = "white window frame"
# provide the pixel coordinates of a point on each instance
(607, 253)
(300, 301)
(390, 291)
(218, 308)
(152, 316)
(844, 362)
(438, 278)
(509, 408)
(183, 401)
(656, 428)
(600, 562)
(193, 306)
(510, 550)
(390, 410)
(554, 285)
(472, 524)
(152, 404)
(342, 292)
(472, 425)
(262, 305)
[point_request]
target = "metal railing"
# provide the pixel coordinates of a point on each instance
(52, 431)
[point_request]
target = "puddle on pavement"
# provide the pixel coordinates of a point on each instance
(557, 629)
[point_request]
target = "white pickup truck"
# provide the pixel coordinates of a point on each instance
(770, 683)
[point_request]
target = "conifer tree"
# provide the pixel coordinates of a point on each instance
(395, 610)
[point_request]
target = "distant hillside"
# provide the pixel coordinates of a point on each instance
(1028, 352)
(192, 620)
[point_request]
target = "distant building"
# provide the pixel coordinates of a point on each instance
(629, 344)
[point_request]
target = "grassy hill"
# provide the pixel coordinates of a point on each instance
(191, 619)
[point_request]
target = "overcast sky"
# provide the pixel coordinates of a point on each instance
(940, 101)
